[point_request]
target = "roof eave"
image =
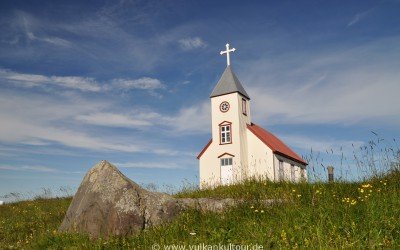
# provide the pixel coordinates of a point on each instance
(204, 149)
(291, 158)
(243, 95)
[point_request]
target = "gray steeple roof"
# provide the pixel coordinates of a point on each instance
(228, 83)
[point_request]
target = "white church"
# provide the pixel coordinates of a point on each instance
(240, 149)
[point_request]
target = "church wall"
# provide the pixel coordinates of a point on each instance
(243, 121)
(260, 158)
(209, 168)
(287, 166)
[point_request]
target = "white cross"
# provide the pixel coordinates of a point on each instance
(227, 51)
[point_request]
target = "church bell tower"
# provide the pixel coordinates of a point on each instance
(240, 149)
(230, 115)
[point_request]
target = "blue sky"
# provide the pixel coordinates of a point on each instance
(129, 81)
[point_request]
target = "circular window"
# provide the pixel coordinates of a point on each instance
(224, 107)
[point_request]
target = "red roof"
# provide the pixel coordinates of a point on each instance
(274, 143)
(204, 149)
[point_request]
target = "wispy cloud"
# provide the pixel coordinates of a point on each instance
(76, 40)
(51, 40)
(34, 80)
(113, 120)
(145, 83)
(359, 17)
(45, 120)
(194, 119)
(76, 82)
(149, 165)
(67, 137)
(84, 84)
(344, 86)
(29, 168)
(192, 43)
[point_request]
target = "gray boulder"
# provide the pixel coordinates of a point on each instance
(108, 203)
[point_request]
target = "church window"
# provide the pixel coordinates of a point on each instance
(302, 174)
(281, 171)
(226, 161)
(244, 106)
(292, 172)
(225, 133)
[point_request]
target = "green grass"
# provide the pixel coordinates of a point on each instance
(318, 215)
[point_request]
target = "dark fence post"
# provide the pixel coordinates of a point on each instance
(330, 173)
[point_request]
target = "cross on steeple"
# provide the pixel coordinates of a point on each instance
(227, 51)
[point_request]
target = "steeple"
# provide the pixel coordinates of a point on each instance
(228, 83)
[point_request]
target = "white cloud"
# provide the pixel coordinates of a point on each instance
(112, 120)
(195, 119)
(76, 82)
(192, 43)
(34, 80)
(145, 83)
(349, 86)
(41, 119)
(150, 165)
(84, 84)
(29, 168)
(19, 130)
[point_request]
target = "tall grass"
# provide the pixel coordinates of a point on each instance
(361, 213)
(318, 215)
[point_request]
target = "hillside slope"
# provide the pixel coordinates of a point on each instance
(361, 215)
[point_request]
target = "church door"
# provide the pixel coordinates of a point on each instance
(226, 171)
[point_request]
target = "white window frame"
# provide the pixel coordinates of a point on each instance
(225, 134)
(226, 161)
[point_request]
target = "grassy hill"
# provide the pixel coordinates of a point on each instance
(318, 215)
